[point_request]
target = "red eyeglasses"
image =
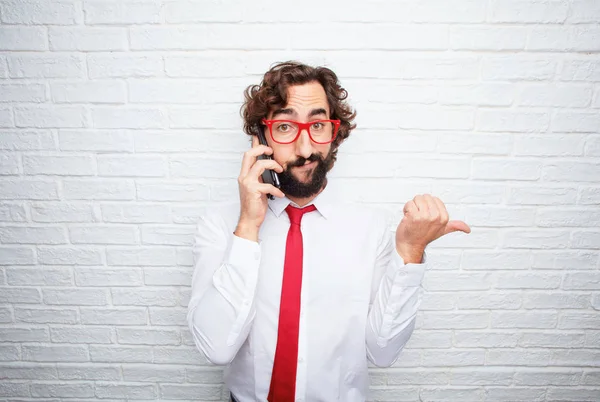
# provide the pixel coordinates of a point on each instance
(288, 131)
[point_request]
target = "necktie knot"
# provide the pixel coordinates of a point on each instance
(296, 214)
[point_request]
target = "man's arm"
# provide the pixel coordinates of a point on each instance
(221, 307)
(395, 299)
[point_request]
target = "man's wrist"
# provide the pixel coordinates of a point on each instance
(410, 254)
(247, 231)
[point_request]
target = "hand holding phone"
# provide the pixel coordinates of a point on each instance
(269, 176)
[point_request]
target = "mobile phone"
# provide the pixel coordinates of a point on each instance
(268, 176)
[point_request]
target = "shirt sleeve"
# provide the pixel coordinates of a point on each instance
(221, 307)
(395, 298)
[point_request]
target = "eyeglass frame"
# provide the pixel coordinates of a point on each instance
(302, 127)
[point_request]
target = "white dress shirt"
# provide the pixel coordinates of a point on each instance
(359, 300)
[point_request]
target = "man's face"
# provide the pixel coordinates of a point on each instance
(305, 163)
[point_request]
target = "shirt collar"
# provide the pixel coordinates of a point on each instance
(323, 202)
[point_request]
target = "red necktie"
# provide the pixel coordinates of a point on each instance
(283, 379)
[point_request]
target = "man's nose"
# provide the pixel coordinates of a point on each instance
(304, 146)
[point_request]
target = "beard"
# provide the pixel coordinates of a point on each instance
(316, 177)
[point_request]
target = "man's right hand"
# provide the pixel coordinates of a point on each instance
(253, 192)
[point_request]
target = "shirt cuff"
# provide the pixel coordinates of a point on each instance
(406, 275)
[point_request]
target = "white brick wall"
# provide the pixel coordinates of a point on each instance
(119, 121)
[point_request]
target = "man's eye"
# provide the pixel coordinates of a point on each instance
(283, 127)
(317, 125)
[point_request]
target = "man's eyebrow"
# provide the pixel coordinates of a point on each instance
(315, 112)
(283, 111)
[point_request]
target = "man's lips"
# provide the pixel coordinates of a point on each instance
(307, 165)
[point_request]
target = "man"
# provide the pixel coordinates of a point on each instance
(294, 294)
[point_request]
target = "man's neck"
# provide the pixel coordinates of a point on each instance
(301, 202)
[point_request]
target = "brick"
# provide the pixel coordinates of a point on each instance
(581, 70)
(16, 256)
(22, 93)
(578, 320)
(218, 116)
(506, 169)
(17, 276)
(148, 336)
(451, 394)
(584, 11)
(497, 120)
(3, 67)
(127, 391)
(167, 276)
(549, 145)
(448, 11)
(5, 315)
(10, 295)
(98, 189)
(27, 371)
(178, 355)
(551, 340)
(568, 218)
(481, 376)
(14, 389)
(134, 118)
(517, 67)
(117, 13)
(75, 297)
(203, 167)
(58, 165)
(411, 377)
(581, 281)
(566, 393)
(135, 213)
(500, 216)
(153, 373)
(205, 392)
(88, 372)
(458, 282)
(42, 65)
(46, 315)
(95, 140)
(69, 256)
(185, 92)
(555, 95)
(41, 12)
(518, 357)
(6, 117)
(574, 357)
(430, 339)
(530, 195)
(576, 171)
(113, 234)
(89, 92)
(556, 259)
(9, 353)
(528, 11)
(23, 38)
(9, 164)
(145, 297)
(26, 140)
(592, 146)
(55, 353)
(575, 121)
(487, 301)
(81, 335)
(139, 166)
(515, 394)
(50, 117)
(151, 191)
(62, 390)
(106, 316)
(564, 38)
(108, 277)
(486, 339)
(488, 38)
(483, 94)
(396, 394)
(124, 65)
(453, 358)
(167, 235)
(589, 240)
(12, 213)
(589, 378)
(536, 239)
(117, 354)
(552, 300)
(62, 212)
(527, 280)
(200, 65)
(168, 316)
(32, 235)
(417, 117)
(87, 39)
(514, 319)
(24, 334)
(155, 256)
(455, 320)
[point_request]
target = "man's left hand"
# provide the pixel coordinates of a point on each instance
(425, 220)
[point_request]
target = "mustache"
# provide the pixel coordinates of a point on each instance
(301, 161)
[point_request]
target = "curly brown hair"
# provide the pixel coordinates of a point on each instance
(271, 93)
